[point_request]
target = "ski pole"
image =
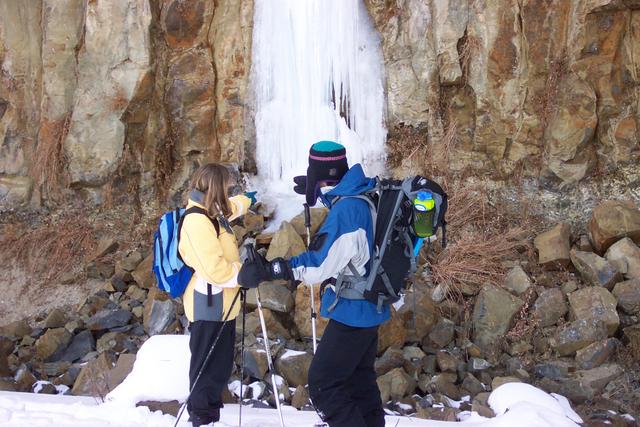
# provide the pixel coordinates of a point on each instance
(244, 316)
(206, 359)
(251, 255)
(307, 224)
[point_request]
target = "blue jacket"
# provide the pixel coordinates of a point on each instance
(346, 235)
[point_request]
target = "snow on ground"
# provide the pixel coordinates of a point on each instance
(161, 373)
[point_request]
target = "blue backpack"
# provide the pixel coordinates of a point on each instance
(172, 274)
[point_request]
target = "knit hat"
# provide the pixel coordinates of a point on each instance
(327, 163)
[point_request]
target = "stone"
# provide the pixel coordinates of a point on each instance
(550, 306)
(302, 315)
(143, 274)
(300, 397)
(6, 348)
(7, 385)
(99, 270)
(93, 379)
(595, 270)
(627, 254)
(171, 407)
(517, 280)
(392, 358)
(158, 315)
(253, 223)
(276, 297)
(108, 319)
(15, 190)
(632, 336)
(391, 333)
(15, 330)
(413, 360)
(481, 406)
(493, 314)
(56, 319)
(613, 220)
(138, 311)
(595, 303)
(55, 369)
(436, 413)
(569, 287)
(136, 293)
(286, 243)
(554, 247)
(446, 361)
(597, 353)
(294, 367)
(395, 384)
(51, 346)
(255, 362)
(442, 333)
(429, 364)
(585, 385)
(444, 383)
(472, 384)
(24, 379)
(95, 303)
(129, 262)
(583, 244)
(478, 364)
(318, 216)
(122, 368)
(44, 387)
(419, 322)
(577, 335)
(106, 245)
(628, 295)
(498, 381)
(113, 341)
(554, 369)
(81, 344)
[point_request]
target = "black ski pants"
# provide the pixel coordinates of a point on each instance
(342, 379)
(206, 400)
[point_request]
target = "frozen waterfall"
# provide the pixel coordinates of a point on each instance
(317, 73)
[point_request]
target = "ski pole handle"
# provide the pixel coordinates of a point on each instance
(307, 216)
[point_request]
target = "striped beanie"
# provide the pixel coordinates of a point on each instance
(327, 163)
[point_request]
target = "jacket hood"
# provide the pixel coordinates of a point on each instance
(354, 182)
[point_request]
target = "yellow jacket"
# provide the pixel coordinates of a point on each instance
(216, 263)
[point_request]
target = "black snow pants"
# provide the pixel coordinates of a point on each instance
(206, 401)
(342, 379)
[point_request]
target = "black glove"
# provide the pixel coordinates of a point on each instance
(279, 269)
(253, 271)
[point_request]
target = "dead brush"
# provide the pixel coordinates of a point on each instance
(49, 161)
(49, 249)
(525, 321)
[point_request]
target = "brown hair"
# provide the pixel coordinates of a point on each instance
(212, 180)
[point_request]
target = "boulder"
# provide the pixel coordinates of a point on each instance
(253, 223)
(395, 384)
(585, 385)
(597, 353)
(15, 190)
(286, 243)
(493, 314)
(143, 274)
(55, 369)
(294, 367)
(628, 295)
(625, 256)
(24, 379)
(114, 341)
(472, 384)
(613, 220)
(426, 411)
(51, 346)
(577, 335)
(123, 367)
(442, 334)
(93, 379)
(56, 319)
(517, 281)
(6, 348)
(498, 381)
(275, 328)
(170, 408)
(129, 262)
(392, 358)
(413, 360)
(276, 297)
(44, 387)
(302, 316)
(108, 319)
(318, 216)
(632, 336)
(81, 344)
(420, 322)
(15, 330)
(550, 307)
(255, 362)
(99, 269)
(595, 270)
(159, 312)
(300, 397)
(106, 245)
(444, 383)
(595, 303)
(136, 293)
(446, 361)
(554, 246)
(391, 333)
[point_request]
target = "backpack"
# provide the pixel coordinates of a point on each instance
(391, 205)
(172, 274)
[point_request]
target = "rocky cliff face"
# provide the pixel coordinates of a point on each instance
(125, 98)
(552, 84)
(108, 97)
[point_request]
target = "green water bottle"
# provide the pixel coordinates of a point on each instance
(423, 209)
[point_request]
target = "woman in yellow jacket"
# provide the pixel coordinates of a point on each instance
(209, 247)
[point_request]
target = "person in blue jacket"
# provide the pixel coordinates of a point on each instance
(342, 379)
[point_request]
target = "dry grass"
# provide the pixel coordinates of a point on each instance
(49, 161)
(525, 322)
(547, 101)
(49, 249)
(468, 46)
